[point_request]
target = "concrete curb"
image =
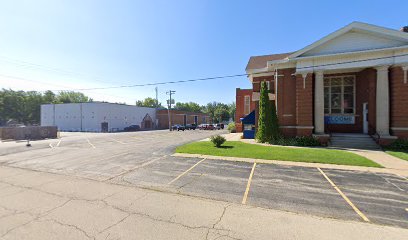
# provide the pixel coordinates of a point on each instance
(401, 173)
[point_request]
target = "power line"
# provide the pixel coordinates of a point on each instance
(69, 73)
(52, 84)
(150, 84)
(205, 79)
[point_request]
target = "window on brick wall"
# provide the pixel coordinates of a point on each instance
(339, 95)
(247, 104)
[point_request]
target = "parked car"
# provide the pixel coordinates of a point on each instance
(201, 126)
(178, 127)
(209, 127)
(190, 127)
(132, 128)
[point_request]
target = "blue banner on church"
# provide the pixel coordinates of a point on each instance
(339, 119)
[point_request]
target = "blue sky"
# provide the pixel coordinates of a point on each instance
(94, 43)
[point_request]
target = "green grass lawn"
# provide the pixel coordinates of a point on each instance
(246, 150)
(398, 154)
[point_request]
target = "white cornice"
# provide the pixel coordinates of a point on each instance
(356, 26)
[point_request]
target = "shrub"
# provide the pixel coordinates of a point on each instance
(231, 127)
(264, 131)
(218, 140)
(399, 145)
(296, 141)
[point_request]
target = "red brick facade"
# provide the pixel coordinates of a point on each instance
(295, 102)
(180, 117)
(399, 103)
(240, 105)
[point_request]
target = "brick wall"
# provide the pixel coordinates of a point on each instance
(240, 104)
(398, 102)
(285, 95)
(177, 117)
(304, 104)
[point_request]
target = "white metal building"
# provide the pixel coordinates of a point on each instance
(96, 116)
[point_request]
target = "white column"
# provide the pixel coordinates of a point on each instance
(319, 103)
(382, 102)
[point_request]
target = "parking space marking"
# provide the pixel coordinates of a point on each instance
(344, 196)
(50, 145)
(392, 183)
(93, 146)
(244, 199)
(59, 142)
(402, 177)
(117, 141)
(188, 170)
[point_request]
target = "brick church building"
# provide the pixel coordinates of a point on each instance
(352, 81)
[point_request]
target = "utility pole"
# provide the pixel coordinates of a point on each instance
(157, 97)
(169, 102)
(156, 123)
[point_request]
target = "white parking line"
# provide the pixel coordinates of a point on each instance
(188, 170)
(392, 183)
(50, 145)
(59, 142)
(117, 141)
(93, 146)
(344, 196)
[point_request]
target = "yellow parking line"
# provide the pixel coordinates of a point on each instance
(93, 146)
(344, 196)
(244, 199)
(188, 170)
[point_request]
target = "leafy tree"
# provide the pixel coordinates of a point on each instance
(231, 110)
(24, 107)
(72, 97)
(49, 97)
(274, 124)
(148, 102)
(188, 106)
(264, 133)
(218, 112)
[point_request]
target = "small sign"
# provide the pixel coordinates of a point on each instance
(339, 119)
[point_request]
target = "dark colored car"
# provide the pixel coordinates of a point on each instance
(132, 128)
(209, 127)
(178, 127)
(191, 127)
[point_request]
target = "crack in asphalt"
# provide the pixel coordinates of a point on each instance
(129, 212)
(218, 221)
(68, 225)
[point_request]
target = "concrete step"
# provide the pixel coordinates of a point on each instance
(350, 140)
(353, 136)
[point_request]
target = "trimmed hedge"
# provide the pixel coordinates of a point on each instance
(297, 141)
(399, 145)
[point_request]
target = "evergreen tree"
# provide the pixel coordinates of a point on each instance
(264, 133)
(268, 126)
(275, 134)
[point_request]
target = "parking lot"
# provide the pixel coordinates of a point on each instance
(145, 159)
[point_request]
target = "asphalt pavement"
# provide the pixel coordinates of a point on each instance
(144, 159)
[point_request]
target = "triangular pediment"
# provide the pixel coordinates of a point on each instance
(355, 37)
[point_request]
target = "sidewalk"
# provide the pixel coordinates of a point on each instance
(36, 205)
